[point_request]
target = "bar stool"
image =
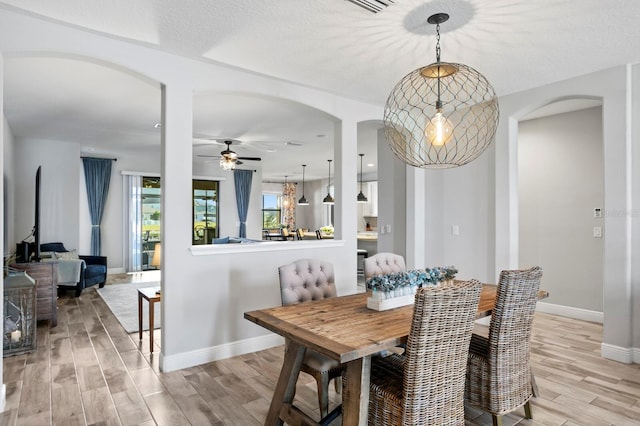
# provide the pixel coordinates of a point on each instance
(364, 253)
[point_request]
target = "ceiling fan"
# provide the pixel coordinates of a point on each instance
(229, 159)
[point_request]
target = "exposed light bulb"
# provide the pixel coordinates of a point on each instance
(227, 164)
(439, 130)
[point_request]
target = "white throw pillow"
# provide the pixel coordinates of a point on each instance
(68, 255)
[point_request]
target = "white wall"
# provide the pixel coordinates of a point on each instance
(314, 215)
(462, 198)
(391, 200)
(635, 176)
(9, 191)
(482, 198)
(557, 195)
(59, 190)
(620, 287)
(206, 292)
(6, 135)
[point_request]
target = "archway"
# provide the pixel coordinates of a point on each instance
(560, 203)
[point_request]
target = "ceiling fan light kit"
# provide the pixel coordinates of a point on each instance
(442, 115)
(229, 159)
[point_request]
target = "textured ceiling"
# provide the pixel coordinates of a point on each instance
(337, 46)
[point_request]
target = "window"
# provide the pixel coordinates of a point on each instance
(205, 211)
(271, 210)
(144, 218)
(150, 212)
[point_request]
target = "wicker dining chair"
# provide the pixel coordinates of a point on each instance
(499, 378)
(305, 280)
(426, 385)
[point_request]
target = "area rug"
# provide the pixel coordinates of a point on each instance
(122, 299)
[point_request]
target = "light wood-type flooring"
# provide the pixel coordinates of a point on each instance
(88, 370)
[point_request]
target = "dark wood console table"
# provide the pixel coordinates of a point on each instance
(46, 276)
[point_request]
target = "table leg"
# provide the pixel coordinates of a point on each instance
(355, 398)
(286, 386)
(140, 314)
(151, 312)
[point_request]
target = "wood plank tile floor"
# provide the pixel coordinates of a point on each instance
(89, 371)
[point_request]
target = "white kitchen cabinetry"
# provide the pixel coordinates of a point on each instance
(370, 208)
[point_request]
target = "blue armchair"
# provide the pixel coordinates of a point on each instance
(94, 270)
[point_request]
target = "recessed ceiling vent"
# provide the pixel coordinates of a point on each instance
(374, 6)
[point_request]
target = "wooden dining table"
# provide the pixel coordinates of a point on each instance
(342, 328)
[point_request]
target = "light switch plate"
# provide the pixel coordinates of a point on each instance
(597, 232)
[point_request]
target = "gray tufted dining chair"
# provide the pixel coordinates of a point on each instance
(383, 263)
(302, 281)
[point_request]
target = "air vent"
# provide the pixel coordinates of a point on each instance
(374, 6)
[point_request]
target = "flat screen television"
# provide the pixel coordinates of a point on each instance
(36, 226)
(29, 251)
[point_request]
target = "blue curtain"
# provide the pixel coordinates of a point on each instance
(242, 180)
(97, 174)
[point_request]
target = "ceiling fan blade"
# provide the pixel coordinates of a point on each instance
(208, 156)
(250, 158)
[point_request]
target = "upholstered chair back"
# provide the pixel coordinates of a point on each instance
(306, 279)
(383, 263)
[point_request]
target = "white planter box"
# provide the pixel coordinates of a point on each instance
(395, 302)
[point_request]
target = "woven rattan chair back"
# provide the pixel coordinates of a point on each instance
(426, 385)
(436, 353)
(499, 380)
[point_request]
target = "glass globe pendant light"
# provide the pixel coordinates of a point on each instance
(442, 115)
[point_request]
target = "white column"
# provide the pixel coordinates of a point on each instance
(3, 395)
(346, 179)
(176, 172)
(416, 221)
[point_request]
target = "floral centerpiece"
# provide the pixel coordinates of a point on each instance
(402, 284)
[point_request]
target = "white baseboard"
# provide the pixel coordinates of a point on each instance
(115, 271)
(227, 350)
(620, 354)
(3, 397)
(241, 347)
(570, 312)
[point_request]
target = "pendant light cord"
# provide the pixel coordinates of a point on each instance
(439, 101)
(361, 155)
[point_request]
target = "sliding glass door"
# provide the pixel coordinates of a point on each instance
(144, 236)
(150, 223)
(205, 211)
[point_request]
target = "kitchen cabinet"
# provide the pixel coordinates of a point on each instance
(370, 208)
